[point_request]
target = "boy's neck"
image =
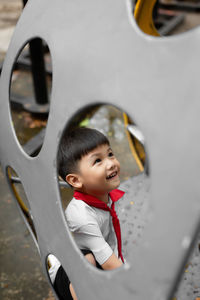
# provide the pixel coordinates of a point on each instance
(102, 197)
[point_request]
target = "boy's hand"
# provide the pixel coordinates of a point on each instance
(112, 263)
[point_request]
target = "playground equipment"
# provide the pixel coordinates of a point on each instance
(144, 16)
(147, 13)
(100, 55)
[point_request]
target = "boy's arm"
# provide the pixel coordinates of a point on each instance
(112, 263)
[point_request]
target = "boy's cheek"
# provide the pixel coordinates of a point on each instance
(119, 166)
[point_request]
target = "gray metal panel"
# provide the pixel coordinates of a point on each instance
(99, 55)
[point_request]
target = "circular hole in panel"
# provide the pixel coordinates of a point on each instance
(128, 145)
(21, 199)
(30, 90)
(59, 278)
(166, 17)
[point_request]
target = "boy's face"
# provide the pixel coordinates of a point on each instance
(99, 171)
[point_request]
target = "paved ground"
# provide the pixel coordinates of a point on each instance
(10, 11)
(21, 276)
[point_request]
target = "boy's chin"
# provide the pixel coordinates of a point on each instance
(115, 185)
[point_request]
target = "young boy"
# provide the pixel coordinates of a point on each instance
(86, 161)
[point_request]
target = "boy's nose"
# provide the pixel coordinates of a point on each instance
(110, 164)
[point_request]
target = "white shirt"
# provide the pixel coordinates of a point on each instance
(54, 266)
(92, 229)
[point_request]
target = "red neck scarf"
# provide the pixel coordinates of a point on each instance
(115, 195)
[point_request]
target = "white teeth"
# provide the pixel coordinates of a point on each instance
(112, 175)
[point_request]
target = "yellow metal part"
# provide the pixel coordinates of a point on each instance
(19, 199)
(21, 203)
(143, 16)
(132, 148)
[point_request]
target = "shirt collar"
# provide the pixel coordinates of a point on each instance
(115, 195)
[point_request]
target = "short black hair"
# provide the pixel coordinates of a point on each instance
(74, 145)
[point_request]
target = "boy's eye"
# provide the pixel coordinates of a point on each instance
(110, 154)
(97, 160)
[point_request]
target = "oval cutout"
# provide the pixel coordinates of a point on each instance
(128, 144)
(30, 93)
(58, 278)
(164, 18)
(22, 201)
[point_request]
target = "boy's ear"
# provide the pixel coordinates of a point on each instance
(74, 180)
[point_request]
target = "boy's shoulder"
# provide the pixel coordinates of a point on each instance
(79, 212)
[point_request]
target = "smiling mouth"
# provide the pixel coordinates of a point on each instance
(114, 174)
